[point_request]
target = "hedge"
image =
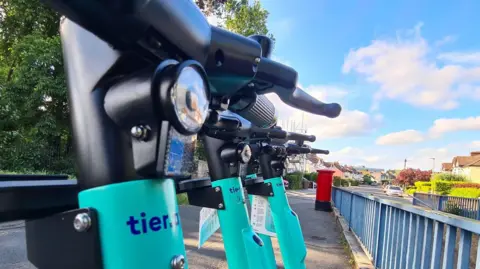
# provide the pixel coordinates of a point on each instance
(312, 176)
(465, 192)
(467, 185)
(448, 177)
(411, 190)
(354, 183)
(444, 187)
(423, 186)
(337, 181)
(294, 181)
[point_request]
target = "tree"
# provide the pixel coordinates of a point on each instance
(367, 179)
(34, 115)
(238, 16)
(408, 177)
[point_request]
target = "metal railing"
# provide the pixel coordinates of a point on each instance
(401, 236)
(470, 207)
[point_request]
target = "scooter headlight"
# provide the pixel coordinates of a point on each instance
(183, 94)
(189, 99)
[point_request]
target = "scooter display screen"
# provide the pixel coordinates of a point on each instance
(179, 159)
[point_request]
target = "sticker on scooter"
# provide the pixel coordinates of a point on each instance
(261, 214)
(209, 224)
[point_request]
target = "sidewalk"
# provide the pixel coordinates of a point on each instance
(319, 229)
(321, 234)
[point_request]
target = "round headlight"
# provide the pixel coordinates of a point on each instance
(189, 99)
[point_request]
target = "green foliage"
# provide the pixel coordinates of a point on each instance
(443, 187)
(312, 176)
(465, 192)
(453, 208)
(246, 19)
(294, 181)
(411, 190)
(367, 179)
(337, 181)
(423, 186)
(448, 177)
(354, 183)
(345, 182)
(34, 115)
(182, 199)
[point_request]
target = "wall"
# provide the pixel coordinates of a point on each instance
(338, 173)
(475, 174)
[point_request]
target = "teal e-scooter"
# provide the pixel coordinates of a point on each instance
(271, 160)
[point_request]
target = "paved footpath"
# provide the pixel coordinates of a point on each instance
(322, 238)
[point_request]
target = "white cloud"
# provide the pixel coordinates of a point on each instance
(460, 57)
(405, 70)
(442, 126)
(446, 40)
(475, 144)
(280, 60)
(400, 138)
(381, 157)
(353, 156)
(349, 123)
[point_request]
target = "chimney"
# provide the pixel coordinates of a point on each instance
(475, 153)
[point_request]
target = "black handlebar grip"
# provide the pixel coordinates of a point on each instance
(277, 134)
(320, 151)
(304, 101)
(295, 149)
(261, 113)
(300, 137)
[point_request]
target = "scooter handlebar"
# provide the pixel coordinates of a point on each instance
(302, 100)
(319, 151)
(300, 137)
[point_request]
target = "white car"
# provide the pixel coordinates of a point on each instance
(394, 191)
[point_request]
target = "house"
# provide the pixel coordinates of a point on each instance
(388, 175)
(375, 173)
(447, 167)
(377, 176)
(336, 167)
(468, 166)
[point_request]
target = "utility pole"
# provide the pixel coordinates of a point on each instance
(433, 167)
(405, 164)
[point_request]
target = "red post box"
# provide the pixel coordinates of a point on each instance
(324, 190)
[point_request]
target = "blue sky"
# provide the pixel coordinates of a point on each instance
(407, 74)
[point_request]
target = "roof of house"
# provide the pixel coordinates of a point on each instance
(447, 166)
(466, 161)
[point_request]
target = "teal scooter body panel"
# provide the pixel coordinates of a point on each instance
(267, 241)
(243, 247)
(287, 227)
(139, 223)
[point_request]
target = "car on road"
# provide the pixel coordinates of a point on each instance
(285, 183)
(394, 191)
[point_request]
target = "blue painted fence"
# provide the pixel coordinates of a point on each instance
(401, 236)
(470, 206)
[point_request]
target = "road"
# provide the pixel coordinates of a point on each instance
(320, 232)
(377, 191)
